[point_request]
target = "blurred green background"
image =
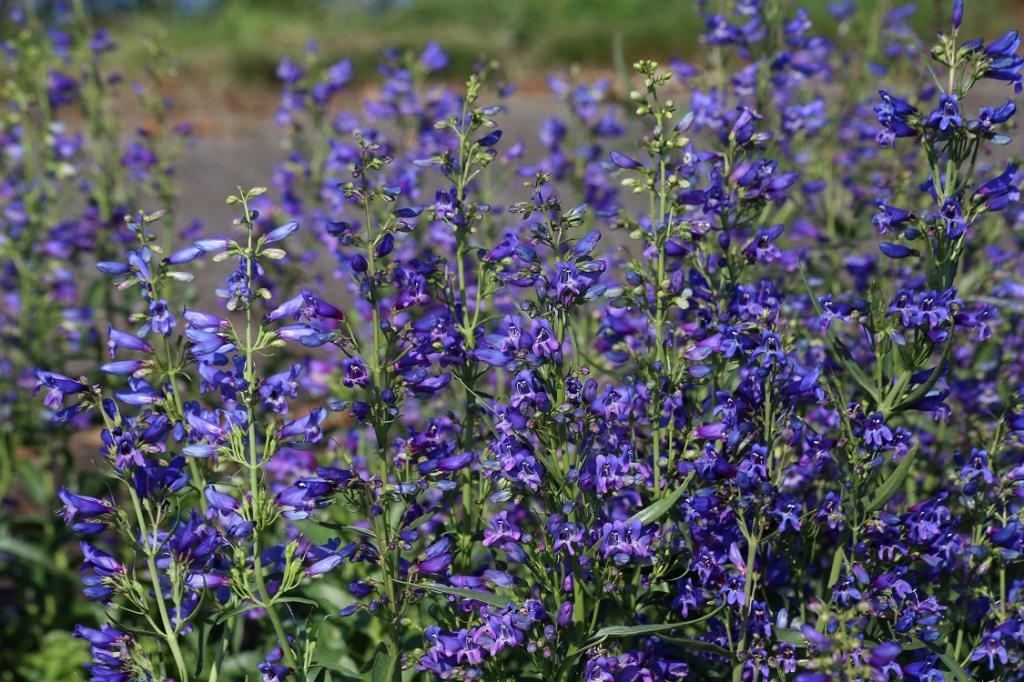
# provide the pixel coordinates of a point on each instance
(240, 41)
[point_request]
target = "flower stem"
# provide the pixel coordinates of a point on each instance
(170, 634)
(253, 461)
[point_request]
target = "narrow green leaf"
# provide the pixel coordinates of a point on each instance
(697, 644)
(241, 664)
(655, 511)
(384, 667)
(26, 552)
(929, 383)
(296, 600)
(840, 351)
(224, 615)
(351, 529)
(790, 636)
(323, 591)
(485, 597)
(202, 637)
(345, 671)
(845, 357)
(892, 484)
(636, 630)
(837, 566)
(953, 666)
(238, 610)
(947, 659)
(33, 483)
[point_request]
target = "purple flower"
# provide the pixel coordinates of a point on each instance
(623, 161)
(161, 319)
(318, 308)
(732, 591)
(282, 232)
(433, 57)
(220, 501)
(113, 653)
(624, 542)
(527, 394)
(436, 558)
(991, 648)
(947, 114)
(288, 72)
(278, 388)
(999, 192)
(95, 513)
(989, 117)
(896, 251)
(101, 574)
(889, 217)
(876, 434)
(118, 339)
(324, 565)
(123, 367)
(501, 530)
(356, 373)
(58, 386)
(304, 429)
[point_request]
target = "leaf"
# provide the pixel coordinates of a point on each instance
(636, 630)
(697, 644)
(790, 636)
(323, 591)
(930, 382)
(485, 597)
(224, 615)
(891, 484)
(202, 638)
(26, 552)
(296, 600)
(837, 564)
(850, 364)
(352, 529)
(953, 666)
(32, 481)
(238, 610)
(946, 657)
(345, 671)
(240, 664)
(655, 511)
(840, 350)
(383, 665)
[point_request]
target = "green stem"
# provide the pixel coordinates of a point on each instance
(170, 634)
(222, 649)
(393, 637)
(254, 464)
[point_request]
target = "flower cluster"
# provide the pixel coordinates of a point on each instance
(647, 398)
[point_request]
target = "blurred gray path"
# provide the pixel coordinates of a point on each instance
(240, 148)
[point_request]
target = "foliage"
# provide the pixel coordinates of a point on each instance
(719, 384)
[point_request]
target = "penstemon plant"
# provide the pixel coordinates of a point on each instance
(66, 180)
(724, 386)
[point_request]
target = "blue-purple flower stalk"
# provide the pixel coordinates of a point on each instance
(261, 512)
